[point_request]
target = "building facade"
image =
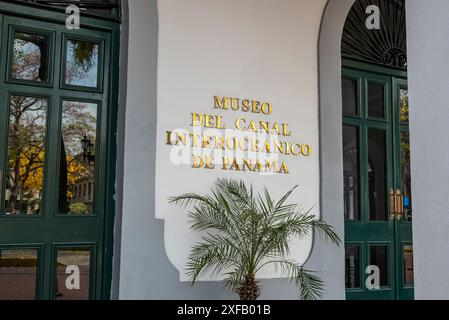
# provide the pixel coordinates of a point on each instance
(145, 100)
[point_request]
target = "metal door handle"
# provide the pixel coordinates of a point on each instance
(396, 204)
(400, 204)
(393, 204)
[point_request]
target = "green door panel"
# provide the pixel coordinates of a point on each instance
(376, 160)
(56, 207)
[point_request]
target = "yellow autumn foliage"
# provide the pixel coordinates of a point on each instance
(32, 174)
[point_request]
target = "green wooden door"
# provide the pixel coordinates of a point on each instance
(377, 195)
(55, 133)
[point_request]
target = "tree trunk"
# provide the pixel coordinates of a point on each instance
(63, 181)
(250, 290)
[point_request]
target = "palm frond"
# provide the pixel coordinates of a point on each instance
(204, 218)
(247, 231)
(234, 279)
(191, 198)
(311, 287)
(327, 232)
(213, 255)
(276, 213)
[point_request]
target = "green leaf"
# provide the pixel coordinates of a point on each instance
(243, 231)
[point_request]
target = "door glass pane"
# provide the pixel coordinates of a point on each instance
(26, 155)
(404, 105)
(379, 258)
(408, 265)
(82, 63)
(18, 269)
(30, 60)
(77, 169)
(376, 101)
(377, 175)
(73, 274)
(351, 173)
(406, 179)
(352, 266)
(350, 97)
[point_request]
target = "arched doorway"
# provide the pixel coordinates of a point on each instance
(376, 154)
(57, 164)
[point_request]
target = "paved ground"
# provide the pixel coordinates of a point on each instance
(20, 284)
(17, 284)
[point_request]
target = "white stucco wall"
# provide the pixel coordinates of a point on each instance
(428, 51)
(263, 50)
(328, 260)
(145, 272)
(276, 59)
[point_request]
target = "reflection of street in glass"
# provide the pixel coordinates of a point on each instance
(73, 257)
(18, 274)
(408, 265)
(26, 155)
(77, 170)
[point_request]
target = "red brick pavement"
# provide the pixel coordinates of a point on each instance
(20, 284)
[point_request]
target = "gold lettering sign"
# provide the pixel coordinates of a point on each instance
(251, 129)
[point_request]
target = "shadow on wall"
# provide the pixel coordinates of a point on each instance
(331, 261)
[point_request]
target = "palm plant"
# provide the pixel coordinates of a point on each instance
(245, 232)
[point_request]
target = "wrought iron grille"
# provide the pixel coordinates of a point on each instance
(103, 8)
(386, 46)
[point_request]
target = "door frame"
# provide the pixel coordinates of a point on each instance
(54, 15)
(396, 78)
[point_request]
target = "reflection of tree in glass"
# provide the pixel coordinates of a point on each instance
(82, 61)
(405, 162)
(84, 54)
(26, 153)
(30, 54)
(404, 106)
(78, 120)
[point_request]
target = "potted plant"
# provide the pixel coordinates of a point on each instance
(247, 231)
